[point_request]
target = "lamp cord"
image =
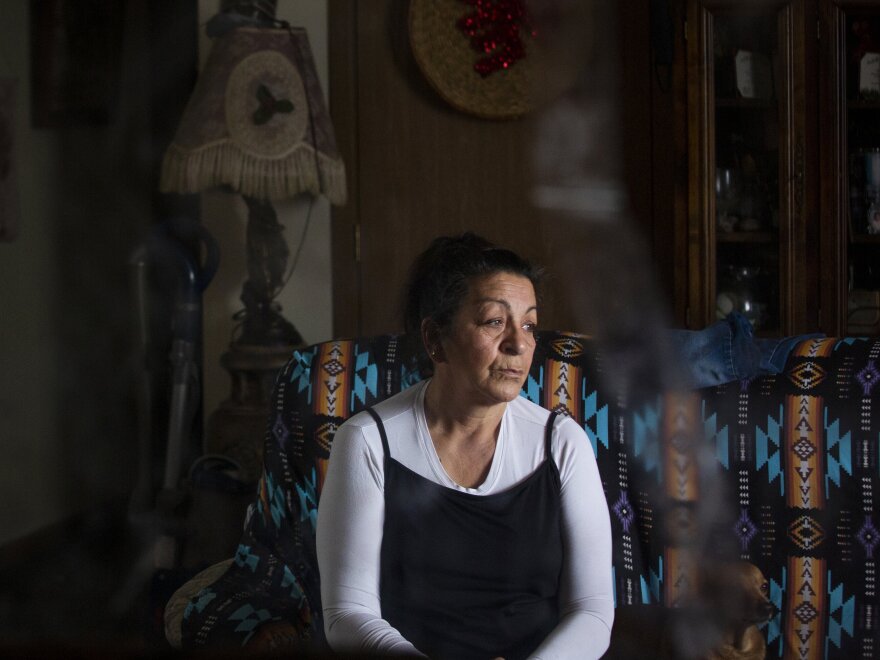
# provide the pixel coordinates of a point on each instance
(314, 133)
(302, 240)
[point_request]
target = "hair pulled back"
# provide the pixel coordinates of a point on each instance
(440, 276)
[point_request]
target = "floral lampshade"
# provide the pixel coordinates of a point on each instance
(257, 122)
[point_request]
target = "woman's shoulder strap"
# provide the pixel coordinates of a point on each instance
(548, 434)
(381, 426)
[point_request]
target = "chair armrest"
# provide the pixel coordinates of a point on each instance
(181, 599)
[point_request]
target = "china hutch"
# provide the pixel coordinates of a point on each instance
(783, 164)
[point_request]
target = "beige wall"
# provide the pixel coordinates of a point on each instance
(306, 300)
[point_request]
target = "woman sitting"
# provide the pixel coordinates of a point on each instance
(459, 520)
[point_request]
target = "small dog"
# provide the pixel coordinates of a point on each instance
(721, 622)
(745, 594)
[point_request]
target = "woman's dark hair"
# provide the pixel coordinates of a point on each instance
(439, 277)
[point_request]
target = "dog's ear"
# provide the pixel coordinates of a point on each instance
(754, 580)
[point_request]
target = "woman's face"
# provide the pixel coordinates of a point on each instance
(488, 351)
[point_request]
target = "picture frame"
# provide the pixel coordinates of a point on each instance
(76, 48)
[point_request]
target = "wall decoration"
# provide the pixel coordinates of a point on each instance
(76, 49)
(477, 54)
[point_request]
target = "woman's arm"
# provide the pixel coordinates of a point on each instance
(586, 596)
(351, 514)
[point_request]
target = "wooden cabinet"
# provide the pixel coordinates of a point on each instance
(780, 151)
(850, 159)
(751, 180)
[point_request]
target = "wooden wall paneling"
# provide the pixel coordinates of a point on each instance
(635, 92)
(834, 190)
(658, 85)
(805, 244)
(701, 158)
(669, 160)
(798, 230)
(791, 161)
(679, 129)
(653, 117)
(810, 290)
(343, 74)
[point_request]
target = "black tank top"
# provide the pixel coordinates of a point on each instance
(471, 576)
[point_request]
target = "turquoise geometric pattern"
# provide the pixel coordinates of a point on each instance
(296, 593)
(532, 388)
(646, 437)
(595, 419)
(651, 586)
(841, 612)
(308, 500)
(200, 602)
(302, 370)
(774, 626)
(277, 501)
(249, 617)
(244, 557)
(717, 436)
(408, 377)
(843, 446)
(763, 455)
(366, 374)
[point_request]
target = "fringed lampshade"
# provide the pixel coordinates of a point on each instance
(257, 122)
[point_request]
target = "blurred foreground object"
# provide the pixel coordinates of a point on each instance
(582, 200)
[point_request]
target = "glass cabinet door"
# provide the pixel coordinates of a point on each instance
(850, 68)
(746, 162)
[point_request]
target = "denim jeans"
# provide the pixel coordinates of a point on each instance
(728, 351)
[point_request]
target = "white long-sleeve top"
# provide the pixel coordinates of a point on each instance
(352, 510)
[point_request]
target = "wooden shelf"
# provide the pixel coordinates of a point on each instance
(747, 237)
(746, 104)
(865, 239)
(859, 104)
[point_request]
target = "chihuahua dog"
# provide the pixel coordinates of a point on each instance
(745, 592)
(719, 623)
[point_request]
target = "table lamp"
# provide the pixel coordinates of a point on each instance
(256, 124)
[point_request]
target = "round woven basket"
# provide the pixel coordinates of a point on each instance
(445, 56)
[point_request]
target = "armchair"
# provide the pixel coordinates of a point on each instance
(795, 454)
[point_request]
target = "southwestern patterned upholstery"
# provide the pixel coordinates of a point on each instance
(794, 454)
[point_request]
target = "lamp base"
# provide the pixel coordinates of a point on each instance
(263, 326)
(237, 428)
